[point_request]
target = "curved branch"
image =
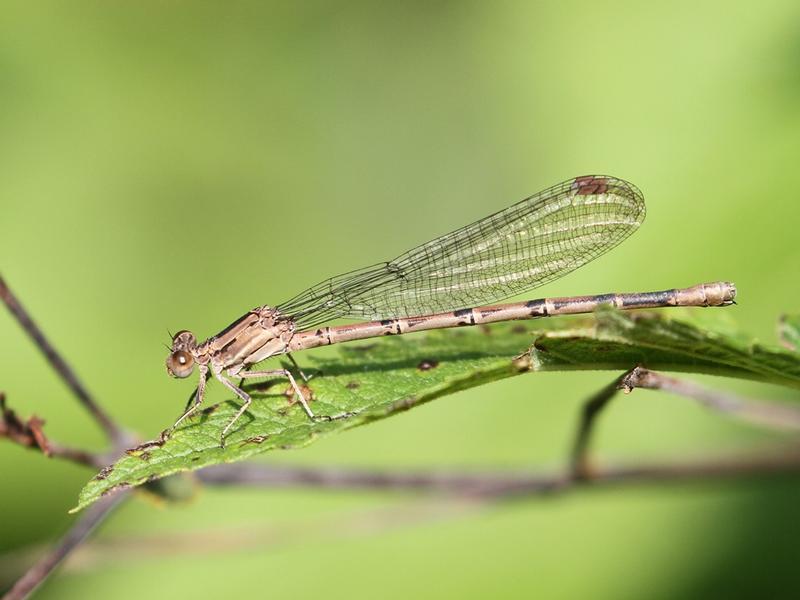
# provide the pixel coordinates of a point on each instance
(115, 433)
(774, 415)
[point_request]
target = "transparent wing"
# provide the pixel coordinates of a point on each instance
(528, 244)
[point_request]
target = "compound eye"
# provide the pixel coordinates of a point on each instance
(180, 364)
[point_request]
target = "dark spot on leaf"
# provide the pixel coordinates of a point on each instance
(518, 329)
(104, 472)
(195, 458)
(485, 329)
(257, 439)
(353, 385)
(209, 410)
(144, 455)
(427, 364)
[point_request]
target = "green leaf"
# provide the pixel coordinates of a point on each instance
(388, 375)
(789, 331)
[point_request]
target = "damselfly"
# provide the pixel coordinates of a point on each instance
(447, 282)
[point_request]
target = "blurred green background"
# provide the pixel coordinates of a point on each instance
(169, 165)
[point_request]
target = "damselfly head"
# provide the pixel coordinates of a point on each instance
(180, 362)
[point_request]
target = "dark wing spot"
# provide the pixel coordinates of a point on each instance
(589, 185)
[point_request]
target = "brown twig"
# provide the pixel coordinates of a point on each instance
(764, 413)
(30, 434)
(782, 460)
(580, 466)
(432, 508)
(84, 526)
(757, 412)
(464, 484)
(115, 433)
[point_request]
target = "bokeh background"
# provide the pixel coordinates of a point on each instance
(168, 165)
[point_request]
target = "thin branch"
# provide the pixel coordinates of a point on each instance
(758, 412)
(77, 534)
(467, 484)
(783, 460)
(112, 430)
(30, 434)
(580, 460)
(112, 551)
(769, 414)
